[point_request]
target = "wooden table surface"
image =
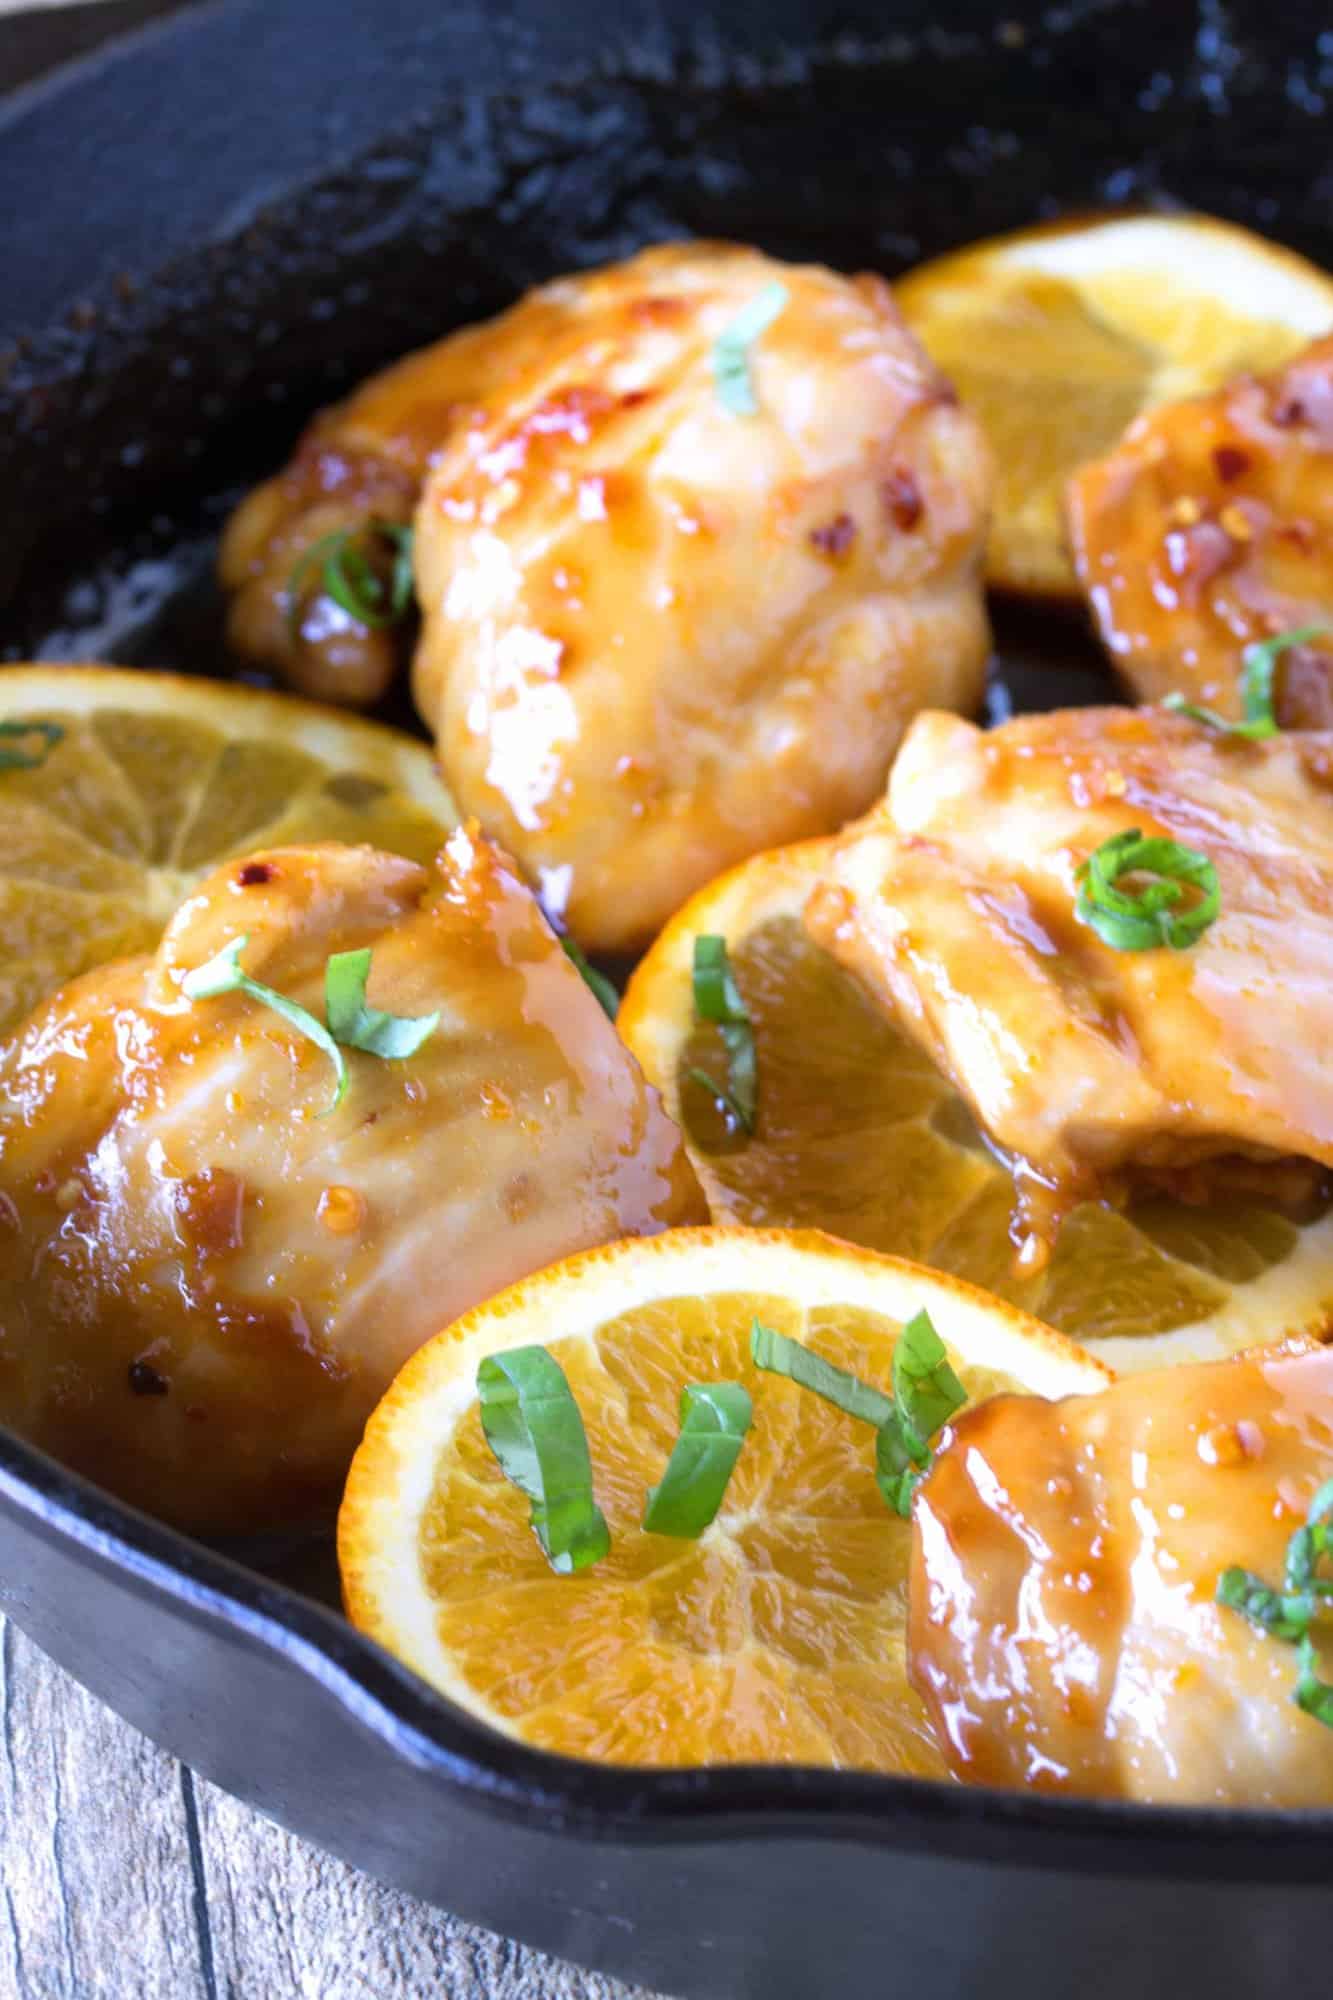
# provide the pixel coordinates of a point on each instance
(125, 1877)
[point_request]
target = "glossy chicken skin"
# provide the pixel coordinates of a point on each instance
(1064, 1632)
(359, 462)
(208, 1277)
(1211, 525)
(659, 635)
(955, 904)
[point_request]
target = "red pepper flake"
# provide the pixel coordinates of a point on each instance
(902, 499)
(836, 536)
(253, 873)
(1230, 462)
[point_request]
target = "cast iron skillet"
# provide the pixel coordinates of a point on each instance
(211, 231)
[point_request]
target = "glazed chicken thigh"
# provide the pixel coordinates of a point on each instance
(359, 464)
(1064, 1629)
(209, 1270)
(1211, 526)
(683, 586)
(682, 583)
(1089, 1065)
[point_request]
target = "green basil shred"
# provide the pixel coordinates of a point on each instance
(596, 982)
(717, 999)
(533, 1427)
(1289, 1613)
(1150, 917)
(351, 1024)
(13, 756)
(926, 1393)
(356, 1026)
(350, 578)
(731, 350)
(1257, 687)
(223, 974)
(714, 1420)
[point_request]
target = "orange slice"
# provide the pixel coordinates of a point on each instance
(776, 1637)
(119, 789)
(1057, 337)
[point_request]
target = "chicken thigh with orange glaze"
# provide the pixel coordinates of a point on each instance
(1064, 1625)
(686, 576)
(356, 472)
(682, 587)
(1088, 1064)
(1209, 527)
(209, 1269)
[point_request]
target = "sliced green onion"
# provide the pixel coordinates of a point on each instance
(777, 1354)
(356, 1026)
(1149, 918)
(348, 577)
(714, 1418)
(223, 974)
(1257, 686)
(731, 350)
(597, 982)
(717, 999)
(533, 1427)
(13, 756)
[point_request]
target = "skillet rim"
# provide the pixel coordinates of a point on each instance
(606, 1802)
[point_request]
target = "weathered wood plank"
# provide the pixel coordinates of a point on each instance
(124, 1877)
(94, 1862)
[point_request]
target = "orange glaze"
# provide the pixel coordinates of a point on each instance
(1211, 525)
(1063, 1625)
(208, 1277)
(955, 904)
(658, 635)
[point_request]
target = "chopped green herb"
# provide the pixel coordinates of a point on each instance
(714, 1418)
(533, 1427)
(1241, 1590)
(356, 1026)
(721, 1093)
(223, 974)
(1288, 1614)
(1312, 1694)
(926, 1393)
(1258, 678)
(13, 755)
(1149, 918)
(596, 982)
(777, 1354)
(731, 350)
(350, 578)
(717, 999)
(351, 1024)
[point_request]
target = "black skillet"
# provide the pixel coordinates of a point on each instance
(206, 234)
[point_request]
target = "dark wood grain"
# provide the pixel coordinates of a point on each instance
(124, 1877)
